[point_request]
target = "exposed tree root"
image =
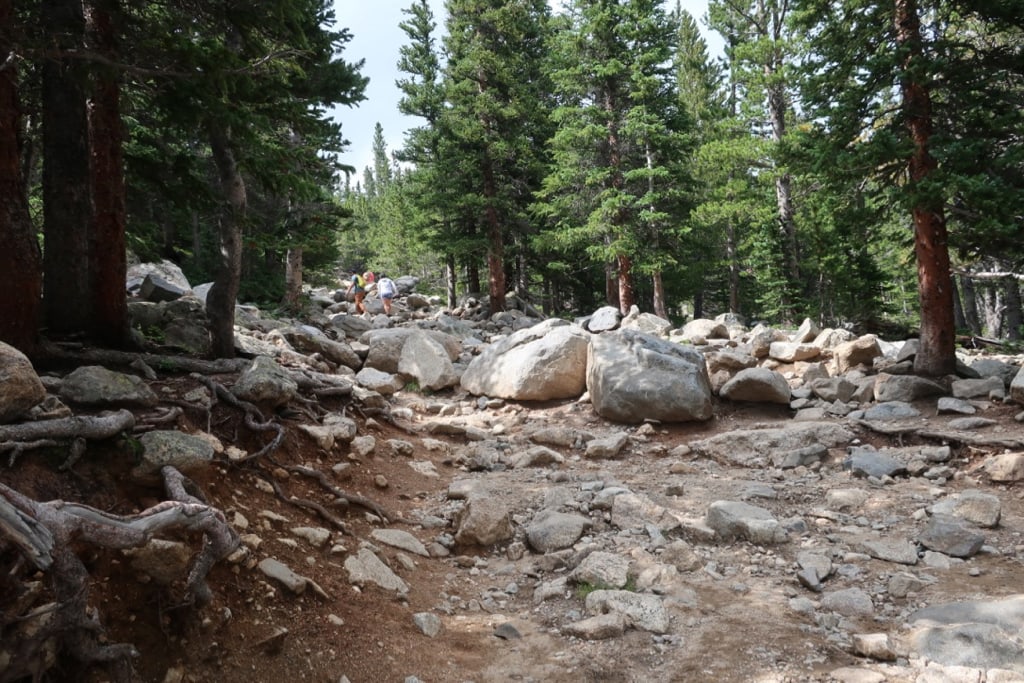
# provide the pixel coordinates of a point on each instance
(254, 419)
(18, 438)
(974, 439)
(46, 532)
(350, 498)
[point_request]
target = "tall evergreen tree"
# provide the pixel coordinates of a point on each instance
(895, 107)
(621, 138)
(495, 92)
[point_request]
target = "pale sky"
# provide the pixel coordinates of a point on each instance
(377, 38)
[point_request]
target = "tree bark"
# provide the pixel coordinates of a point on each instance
(451, 279)
(107, 251)
(660, 309)
(220, 302)
(970, 304)
(495, 243)
(1014, 316)
(293, 279)
(20, 268)
(627, 296)
(937, 355)
(67, 197)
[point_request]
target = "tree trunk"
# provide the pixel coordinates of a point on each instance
(611, 285)
(660, 309)
(1014, 316)
(495, 244)
(293, 280)
(107, 253)
(220, 302)
(19, 252)
(993, 309)
(959, 319)
(451, 275)
(473, 278)
(937, 355)
(67, 198)
(732, 253)
(970, 302)
(784, 194)
(626, 294)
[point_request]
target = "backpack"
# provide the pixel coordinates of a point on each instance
(360, 282)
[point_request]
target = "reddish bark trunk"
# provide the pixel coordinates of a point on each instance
(20, 273)
(937, 355)
(627, 296)
(107, 253)
(495, 244)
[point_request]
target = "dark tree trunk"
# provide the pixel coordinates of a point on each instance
(970, 303)
(451, 275)
(660, 309)
(1014, 317)
(938, 333)
(611, 285)
(108, 259)
(473, 277)
(732, 252)
(959, 319)
(220, 302)
(495, 244)
(67, 197)
(20, 269)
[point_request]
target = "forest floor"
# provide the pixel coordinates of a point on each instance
(735, 626)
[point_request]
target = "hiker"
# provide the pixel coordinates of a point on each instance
(357, 286)
(387, 289)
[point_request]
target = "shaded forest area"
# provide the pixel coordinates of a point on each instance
(855, 162)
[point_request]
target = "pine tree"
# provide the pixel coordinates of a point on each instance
(621, 138)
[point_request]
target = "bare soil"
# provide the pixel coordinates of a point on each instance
(731, 619)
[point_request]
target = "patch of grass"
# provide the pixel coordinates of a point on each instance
(584, 589)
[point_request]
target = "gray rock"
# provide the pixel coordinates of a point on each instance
(984, 634)
(648, 323)
(600, 627)
(752, 447)
(733, 520)
(278, 571)
(483, 521)
(793, 352)
(426, 360)
(972, 505)
(905, 388)
(860, 351)
(336, 428)
(969, 423)
(888, 549)
(187, 453)
(948, 404)
(833, 389)
(93, 385)
(1005, 467)
(428, 623)
(608, 447)
(849, 602)
(867, 462)
(20, 387)
(757, 384)
(365, 568)
(398, 538)
(644, 611)
(264, 381)
(603, 319)
(633, 377)
(383, 383)
(551, 530)
(544, 362)
(602, 570)
(988, 387)
(951, 536)
(702, 328)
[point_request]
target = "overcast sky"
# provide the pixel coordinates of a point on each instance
(376, 39)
